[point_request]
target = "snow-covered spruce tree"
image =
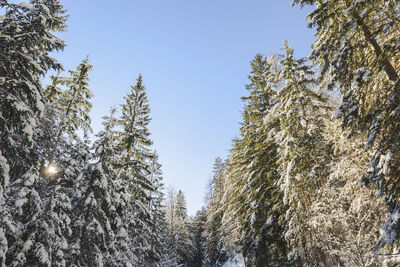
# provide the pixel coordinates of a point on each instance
(60, 147)
(135, 167)
(215, 254)
(100, 237)
(170, 255)
(357, 45)
(183, 237)
(198, 227)
(25, 42)
(252, 202)
(157, 224)
(26, 39)
(70, 98)
(303, 154)
(263, 82)
(178, 238)
(233, 201)
(66, 115)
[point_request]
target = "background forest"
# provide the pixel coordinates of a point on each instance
(311, 181)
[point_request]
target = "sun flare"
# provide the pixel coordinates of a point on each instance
(51, 169)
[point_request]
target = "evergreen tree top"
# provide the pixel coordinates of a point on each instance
(180, 208)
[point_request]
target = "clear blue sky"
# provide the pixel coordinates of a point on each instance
(194, 57)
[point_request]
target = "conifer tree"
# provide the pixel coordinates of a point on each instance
(178, 239)
(72, 105)
(26, 39)
(302, 117)
(357, 47)
(134, 138)
(261, 93)
(214, 247)
(157, 221)
(252, 201)
(183, 239)
(100, 237)
(198, 227)
(135, 164)
(57, 188)
(170, 254)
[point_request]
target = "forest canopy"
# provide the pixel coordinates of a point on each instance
(312, 180)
